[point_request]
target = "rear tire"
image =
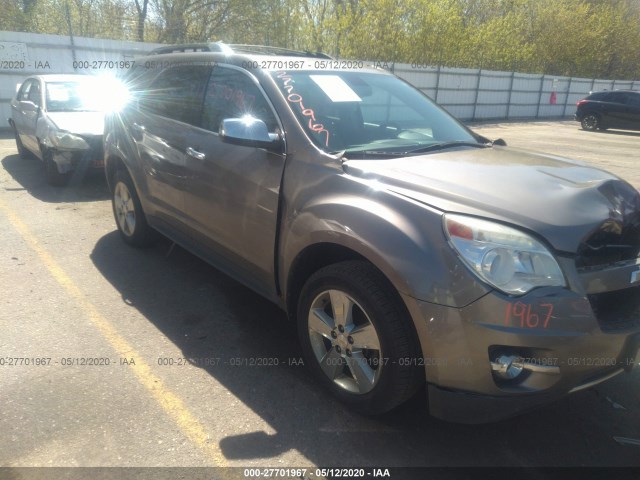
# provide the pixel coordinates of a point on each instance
(591, 122)
(127, 211)
(357, 337)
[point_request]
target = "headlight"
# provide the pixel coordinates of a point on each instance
(67, 141)
(505, 258)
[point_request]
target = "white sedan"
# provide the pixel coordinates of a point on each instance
(60, 119)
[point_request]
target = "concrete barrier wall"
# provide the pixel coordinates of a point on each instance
(24, 54)
(472, 94)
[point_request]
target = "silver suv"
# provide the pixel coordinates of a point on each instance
(407, 248)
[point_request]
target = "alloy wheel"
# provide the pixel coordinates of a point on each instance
(590, 122)
(125, 209)
(345, 342)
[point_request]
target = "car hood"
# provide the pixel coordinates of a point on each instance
(81, 123)
(565, 202)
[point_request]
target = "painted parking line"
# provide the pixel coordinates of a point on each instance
(172, 405)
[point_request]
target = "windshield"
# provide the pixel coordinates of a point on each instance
(73, 96)
(368, 114)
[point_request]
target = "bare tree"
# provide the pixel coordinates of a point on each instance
(189, 20)
(142, 17)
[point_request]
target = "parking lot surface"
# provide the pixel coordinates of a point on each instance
(113, 356)
(617, 151)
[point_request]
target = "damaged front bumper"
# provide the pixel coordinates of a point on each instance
(502, 355)
(91, 158)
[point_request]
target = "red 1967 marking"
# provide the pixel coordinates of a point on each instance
(530, 316)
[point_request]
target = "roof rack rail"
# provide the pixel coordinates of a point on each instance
(187, 47)
(236, 48)
(266, 50)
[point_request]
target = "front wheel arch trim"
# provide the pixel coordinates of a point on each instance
(328, 253)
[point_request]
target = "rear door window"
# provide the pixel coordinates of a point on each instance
(620, 98)
(616, 97)
(177, 93)
(630, 99)
(634, 99)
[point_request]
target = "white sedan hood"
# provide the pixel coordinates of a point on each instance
(87, 123)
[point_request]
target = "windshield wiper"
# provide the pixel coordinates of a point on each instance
(445, 145)
(364, 154)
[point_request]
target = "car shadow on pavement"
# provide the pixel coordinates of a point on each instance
(29, 173)
(206, 314)
(623, 133)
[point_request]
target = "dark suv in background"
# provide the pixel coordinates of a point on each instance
(616, 109)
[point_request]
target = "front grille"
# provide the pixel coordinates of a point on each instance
(604, 248)
(618, 310)
(617, 238)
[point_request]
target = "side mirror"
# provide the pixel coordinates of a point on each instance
(500, 142)
(29, 106)
(248, 131)
(481, 138)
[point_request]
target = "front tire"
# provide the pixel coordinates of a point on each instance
(54, 177)
(591, 122)
(357, 337)
(128, 213)
(22, 151)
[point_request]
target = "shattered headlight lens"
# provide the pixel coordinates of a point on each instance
(67, 141)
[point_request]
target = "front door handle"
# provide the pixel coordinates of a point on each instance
(195, 154)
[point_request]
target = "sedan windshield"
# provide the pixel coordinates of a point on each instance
(369, 114)
(73, 96)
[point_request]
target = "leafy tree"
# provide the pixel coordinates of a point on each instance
(590, 38)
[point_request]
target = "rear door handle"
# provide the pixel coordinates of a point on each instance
(195, 154)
